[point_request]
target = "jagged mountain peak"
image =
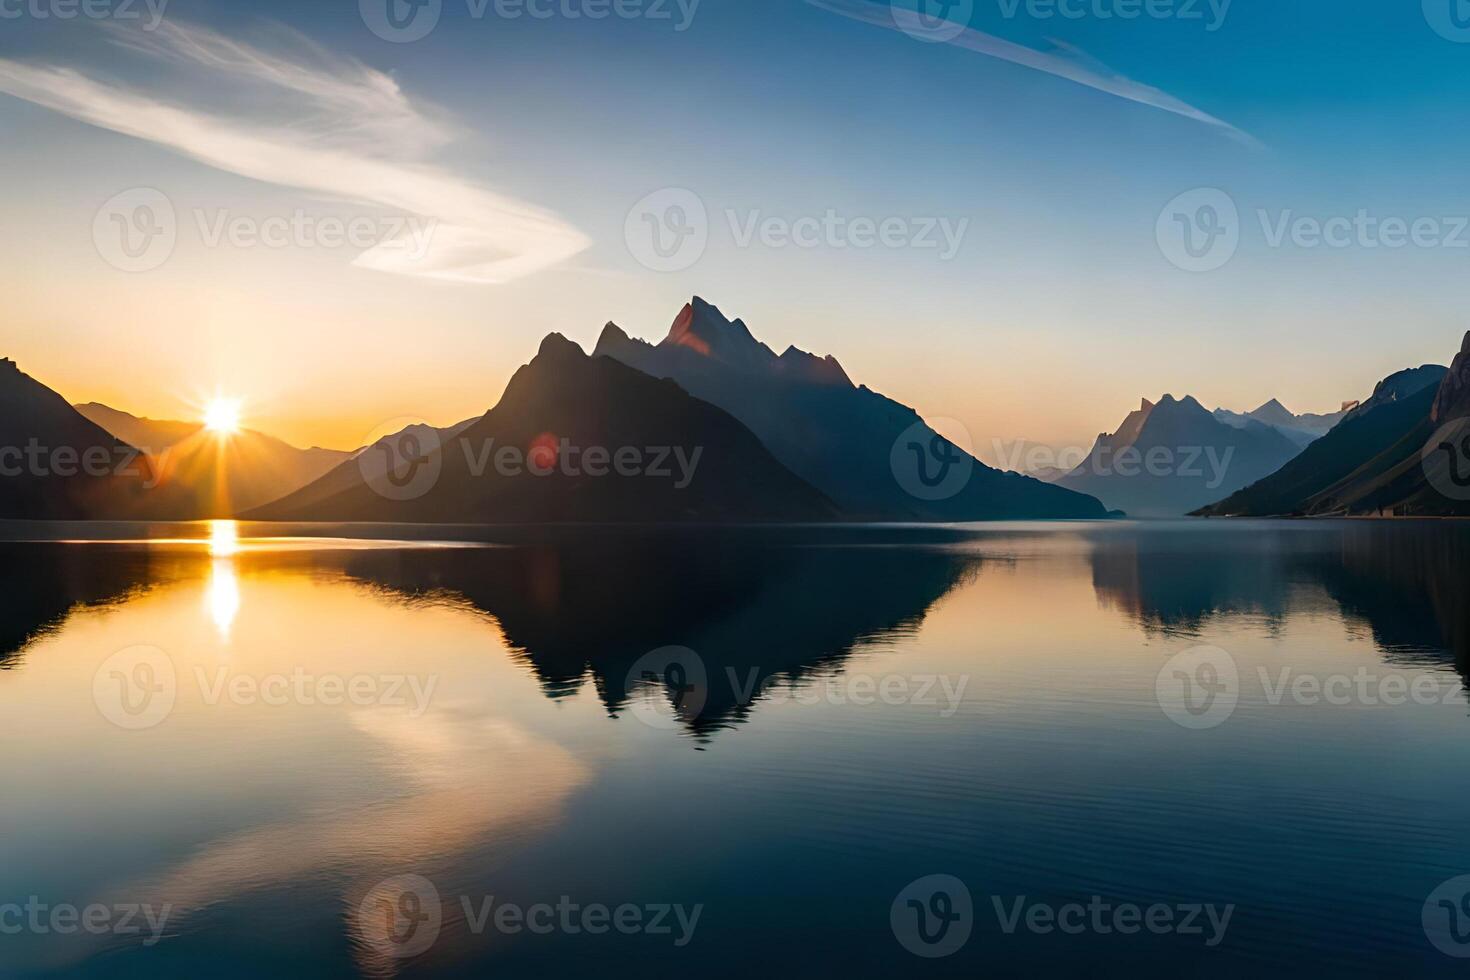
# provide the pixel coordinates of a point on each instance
(556, 345)
(701, 327)
(1453, 399)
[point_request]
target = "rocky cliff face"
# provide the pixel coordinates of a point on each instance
(1453, 400)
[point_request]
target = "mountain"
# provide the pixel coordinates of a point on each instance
(1398, 406)
(1301, 429)
(1425, 473)
(864, 451)
(56, 464)
(1170, 458)
(213, 475)
(574, 439)
(372, 462)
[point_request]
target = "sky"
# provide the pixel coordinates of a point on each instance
(1018, 216)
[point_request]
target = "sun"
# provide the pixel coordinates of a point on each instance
(222, 416)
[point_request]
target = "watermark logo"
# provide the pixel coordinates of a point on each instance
(1199, 230)
(932, 21)
(135, 688)
(1199, 687)
(668, 230)
(1105, 917)
(400, 21)
(1446, 917)
(932, 916)
(406, 463)
(65, 919)
(1446, 459)
(136, 230)
(121, 10)
(929, 466)
(679, 675)
(401, 917)
(945, 692)
(1449, 18)
(1180, 10)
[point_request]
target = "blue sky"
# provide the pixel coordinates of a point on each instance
(1058, 309)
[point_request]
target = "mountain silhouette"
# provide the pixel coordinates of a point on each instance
(573, 439)
(1405, 581)
(838, 437)
(757, 607)
(213, 475)
(1399, 406)
(1174, 456)
(373, 462)
(56, 464)
(1301, 429)
(1427, 472)
(59, 581)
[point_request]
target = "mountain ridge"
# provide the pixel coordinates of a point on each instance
(840, 436)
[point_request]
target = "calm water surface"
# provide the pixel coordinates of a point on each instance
(863, 707)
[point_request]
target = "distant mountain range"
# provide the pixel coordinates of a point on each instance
(1301, 429)
(213, 476)
(711, 426)
(1387, 456)
(1174, 456)
(837, 436)
(660, 456)
(55, 464)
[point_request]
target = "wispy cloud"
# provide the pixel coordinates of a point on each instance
(303, 118)
(1064, 61)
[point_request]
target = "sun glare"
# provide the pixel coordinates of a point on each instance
(223, 416)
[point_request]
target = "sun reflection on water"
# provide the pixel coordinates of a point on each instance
(224, 587)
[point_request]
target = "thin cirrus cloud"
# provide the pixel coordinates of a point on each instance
(1064, 62)
(303, 118)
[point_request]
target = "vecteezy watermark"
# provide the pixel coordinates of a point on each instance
(674, 685)
(932, 916)
(135, 688)
(1446, 917)
(150, 11)
(942, 691)
(1200, 230)
(669, 231)
(1211, 13)
(674, 920)
(138, 687)
(929, 466)
(40, 918)
(403, 21)
(932, 21)
(1206, 463)
(34, 459)
(402, 917)
(679, 675)
(1201, 687)
(1446, 459)
(403, 459)
(409, 234)
(1102, 917)
(137, 231)
(407, 464)
(1449, 18)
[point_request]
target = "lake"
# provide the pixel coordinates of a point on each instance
(1174, 748)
